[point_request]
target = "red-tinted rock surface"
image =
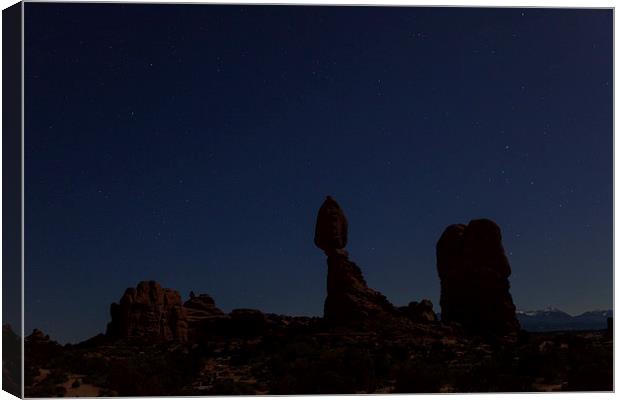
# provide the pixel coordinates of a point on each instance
(474, 270)
(349, 299)
(149, 312)
(331, 231)
(419, 312)
(37, 336)
(203, 317)
(201, 306)
(39, 346)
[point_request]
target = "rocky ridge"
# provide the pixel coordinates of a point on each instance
(471, 262)
(156, 344)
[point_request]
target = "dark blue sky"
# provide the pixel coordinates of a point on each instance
(194, 144)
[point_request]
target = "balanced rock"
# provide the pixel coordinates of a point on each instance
(330, 234)
(474, 270)
(349, 299)
(149, 312)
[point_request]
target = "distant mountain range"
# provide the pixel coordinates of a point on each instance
(552, 319)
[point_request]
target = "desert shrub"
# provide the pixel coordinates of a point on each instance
(60, 391)
(228, 387)
(30, 372)
(56, 377)
(399, 352)
(530, 362)
(419, 376)
(589, 369)
(152, 373)
(330, 371)
(383, 364)
(93, 366)
(51, 386)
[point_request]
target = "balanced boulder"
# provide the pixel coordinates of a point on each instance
(349, 299)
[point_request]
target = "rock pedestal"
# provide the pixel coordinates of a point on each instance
(349, 299)
(474, 270)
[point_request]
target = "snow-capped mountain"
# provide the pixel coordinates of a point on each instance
(552, 319)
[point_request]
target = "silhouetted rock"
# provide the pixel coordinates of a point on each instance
(474, 270)
(38, 346)
(419, 312)
(245, 321)
(349, 299)
(331, 229)
(37, 336)
(287, 324)
(203, 317)
(149, 312)
(38, 339)
(201, 306)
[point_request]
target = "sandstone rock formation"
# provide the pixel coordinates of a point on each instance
(203, 317)
(149, 312)
(419, 312)
(37, 336)
(349, 299)
(331, 231)
(39, 346)
(201, 306)
(474, 270)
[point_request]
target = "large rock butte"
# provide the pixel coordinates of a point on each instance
(149, 312)
(474, 270)
(349, 302)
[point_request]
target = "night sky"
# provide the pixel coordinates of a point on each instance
(194, 144)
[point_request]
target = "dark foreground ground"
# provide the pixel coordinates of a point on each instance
(311, 360)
